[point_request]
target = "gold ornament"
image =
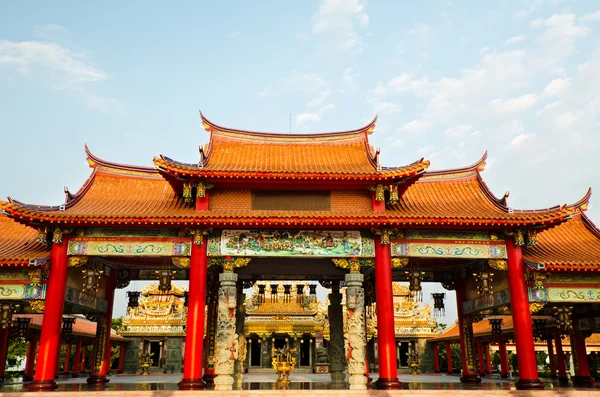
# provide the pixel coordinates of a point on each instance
(352, 264)
(37, 306)
(498, 264)
(187, 192)
(399, 263)
(234, 263)
(75, 261)
(181, 261)
(535, 307)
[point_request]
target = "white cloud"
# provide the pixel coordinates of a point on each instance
(590, 17)
(459, 132)
(560, 26)
(380, 89)
(518, 104)
(406, 83)
(49, 30)
(304, 82)
(63, 67)
(521, 139)
(303, 118)
(416, 127)
(556, 87)
(514, 39)
(335, 21)
(548, 107)
(59, 67)
(349, 79)
(421, 30)
(320, 98)
(309, 117)
(380, 107)
(265, 92)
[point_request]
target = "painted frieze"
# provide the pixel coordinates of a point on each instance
(22, 291)
(131, 247)
(449, 244)
(286, 243)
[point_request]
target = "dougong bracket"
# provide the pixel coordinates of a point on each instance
(233, 263)
(385, 234)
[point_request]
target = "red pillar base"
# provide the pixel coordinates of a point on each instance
(583, 381)
(209, 379)
(27, 378)
(529, 384)
(388, 384)
(472, 379)
(192, 384)
(42, 385)
(98, 382)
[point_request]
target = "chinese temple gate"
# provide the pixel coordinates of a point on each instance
(260, 206)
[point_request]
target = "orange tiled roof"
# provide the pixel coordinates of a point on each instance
(81, 327)
(244, 154)
(483, 328)
(571, 246)
(18, 245)
(118, 194)
(461, 197)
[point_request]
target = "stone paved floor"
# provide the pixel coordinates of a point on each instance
(267, 382)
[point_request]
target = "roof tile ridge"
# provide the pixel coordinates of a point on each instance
(67, 204)
(95, 161)
(589, 224)
(582, 204)
(479, 165)
(212, 127)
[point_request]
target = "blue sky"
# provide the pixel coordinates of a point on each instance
(449, 80)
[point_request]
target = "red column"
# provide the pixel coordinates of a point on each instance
(83, 353)
(582, 375)
(77, 360)
(488, 359)
(449, 357)
(121, 359)
(519, 301)
(561, 362)
(552, 358)
(99, 376)
(67, 359)
(3, 352)
(503, 358)
(192, 362)
(388, 372)
(480, 357)
(436, 358)
(30, 361)
(46, 364)
(465, 328)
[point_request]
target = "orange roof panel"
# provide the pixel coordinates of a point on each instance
(116, 194)
(242, 154)
(18, 244)
(571, 246)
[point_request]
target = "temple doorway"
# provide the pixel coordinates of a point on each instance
(305, 359)
(403, 354)
(255, 353)
(155, 350)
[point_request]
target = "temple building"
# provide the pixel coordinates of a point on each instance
(259, 206)
(276, 313)
(156, 326)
